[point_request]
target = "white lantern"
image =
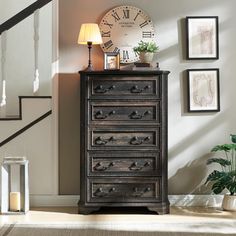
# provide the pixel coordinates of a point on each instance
(14, 202)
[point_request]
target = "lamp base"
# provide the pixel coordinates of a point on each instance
(89, 68)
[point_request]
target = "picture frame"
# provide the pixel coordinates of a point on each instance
(202, 37)
(111, 60)
(203, 90)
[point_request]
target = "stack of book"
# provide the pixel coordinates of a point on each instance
(145, 66)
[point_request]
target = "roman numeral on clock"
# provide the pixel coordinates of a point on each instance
(147, 34)
(108, 44)
(125, 55)
(106, 34)
(116, 49)
(136, 16)
(126, 13)
(116, 16)
(143, 24)
(108, 24)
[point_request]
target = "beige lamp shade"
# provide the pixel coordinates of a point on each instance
(89, 33)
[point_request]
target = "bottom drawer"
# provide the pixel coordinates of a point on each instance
(124, 190)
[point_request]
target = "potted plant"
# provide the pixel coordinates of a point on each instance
(226, 177)
(146, 51)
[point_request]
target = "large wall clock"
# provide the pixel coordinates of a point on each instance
(122, 28)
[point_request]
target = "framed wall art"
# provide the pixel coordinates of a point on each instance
(111, 61)
(202, 37)
(203, 90)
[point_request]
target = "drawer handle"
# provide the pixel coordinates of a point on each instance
(147, 113)
(100, 141)
(101, 89)
(136, 141)
(100, 116)
(135, 89)
(138, 193)
(135, 116)
(134, 166)
(99, 193)
(99, 167)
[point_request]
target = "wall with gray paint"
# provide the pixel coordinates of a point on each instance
(191, 136)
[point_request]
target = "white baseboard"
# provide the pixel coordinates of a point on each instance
(175, 200)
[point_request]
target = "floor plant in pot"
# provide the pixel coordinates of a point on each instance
(146, 51)
(225, 178)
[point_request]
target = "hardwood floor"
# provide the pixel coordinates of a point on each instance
(69, 215)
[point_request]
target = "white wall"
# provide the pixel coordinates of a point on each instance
(39, 144)
(35, 144)
(191, 136)
(20, 53)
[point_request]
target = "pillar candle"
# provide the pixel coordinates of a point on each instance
(14, 201)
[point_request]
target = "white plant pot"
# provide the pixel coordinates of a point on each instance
(146, 57)
(229, 203)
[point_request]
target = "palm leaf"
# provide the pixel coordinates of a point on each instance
(232, 146)
(223, 147)
(215, 175)
(231, 186)
(221, 161)
(233, 138)
(218, 187)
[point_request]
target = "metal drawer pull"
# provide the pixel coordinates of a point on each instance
(135, 89)
(136, 141)
(134, 115)
(99, 166)
(100, 89)
(112, 189)
(100, 141)
(138, 193)
(100, 116)
(99, 193)
(134, 166)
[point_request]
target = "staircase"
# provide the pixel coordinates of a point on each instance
(25, 54)
(27, 122)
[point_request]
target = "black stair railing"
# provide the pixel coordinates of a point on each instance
(22, 15)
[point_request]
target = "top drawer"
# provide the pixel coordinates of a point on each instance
(124, 86)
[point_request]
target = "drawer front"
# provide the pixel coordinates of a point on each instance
(125, 111)
(124, 138)
(124, 86)
(128, 164)
(124, 190)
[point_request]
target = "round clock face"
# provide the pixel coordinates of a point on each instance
(122, 28)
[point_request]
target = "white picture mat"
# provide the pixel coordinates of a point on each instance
(203, 90)
(202, 37)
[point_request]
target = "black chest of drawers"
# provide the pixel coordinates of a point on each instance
(123, 158)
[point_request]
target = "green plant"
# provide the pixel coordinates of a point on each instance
(146, 47)
(226, 177)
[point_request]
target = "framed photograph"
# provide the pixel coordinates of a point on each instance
(111, 61)
(203, 90)
(202, 37)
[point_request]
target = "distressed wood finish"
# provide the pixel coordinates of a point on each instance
(125, 111)
(123, 140)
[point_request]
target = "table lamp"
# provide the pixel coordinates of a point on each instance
(89, 34)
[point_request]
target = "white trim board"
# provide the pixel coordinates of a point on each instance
(175, 200)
